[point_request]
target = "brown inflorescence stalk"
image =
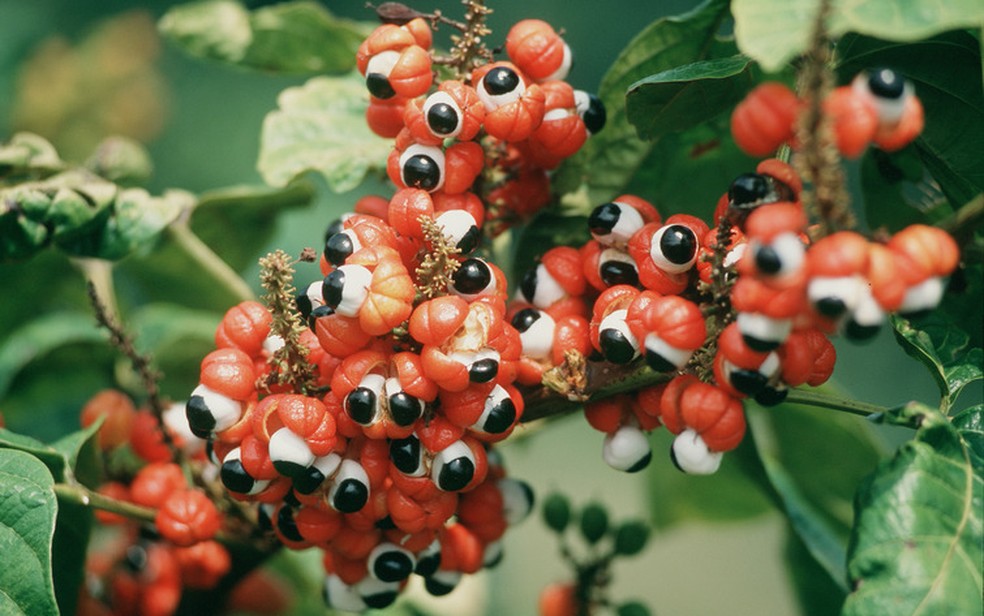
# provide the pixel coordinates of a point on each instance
(142, 364)
(439, 264)
(818, 163)
(468, 49)
(718, 312)
(289, 363)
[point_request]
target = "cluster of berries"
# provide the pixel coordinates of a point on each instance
(879, 106)
(143, 569)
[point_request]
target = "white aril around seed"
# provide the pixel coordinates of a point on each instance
(387, 549)
(517, 500)
(369, 587)
(677, 357)
(868, 313)
(791, 252)
(355, 290)
(538, 339)
(629, 221)
(434, 153)
(349, 470)
(442, 98)
(327, 465)
(847, 289)
(454, 451)
(548, 290)
(735, 255)
(285, 446)
(176, 420)
(625, 448)
(455, 224)
(890, 110)
(492, 401)
(616, 254)
(273, 342)
(761, 327)
(492, 554)
(258, 484)
(382, 63)
(924, 296)
(693, 456)
(224, 410)
(565, 67)
(341, 596)
(616, 320)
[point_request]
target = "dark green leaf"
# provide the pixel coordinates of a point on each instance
(773, 33)
(917, 541)
(50, 457)
(556, 512)
(632, 608)
(814, 460)
(27, 524)
(71, 540)
(321, 127)
(41, 336)
(897, 191)
(679, 98)
(953, 101)
(610, 159)
(290, 37)
(817, 593)
(80, 450)
(121, 160)
(546, 230)
(733, 493)
(945, 348)
(594, 522)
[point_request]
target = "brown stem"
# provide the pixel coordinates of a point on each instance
(289, 363)
(142, 364)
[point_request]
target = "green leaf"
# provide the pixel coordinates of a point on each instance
(81, 453)
(803, 452)
(321, 127)
(71, 540)
(817, 593)
(546, 230)
(137, 221)
(631, 537)
(556, 511)
(290, 37)
(917, 542)
(679, 98)
(944, 347)
(27, 153)
(773, 33)
(897, 190)
(952, 99)
(610, 159)
(594, 522)
(733, 493)
(41, 336)
(632, 608)
(27, 524)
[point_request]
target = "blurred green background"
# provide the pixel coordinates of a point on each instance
(75, 71)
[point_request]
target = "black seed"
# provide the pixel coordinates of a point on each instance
(525, 318)
(338, 248)
(351, 496)
(659, 363)
(334, 227)
(317, 313)
(263, 520)
(304, 306)
(641, 464)
(379, 86)
(405, 454)
(442, 119)
(472, 276)
(857, 332)
(594, 116)
(676, 463)
(392, 567)
(483, 370)
(428, 565)
(308, 481)
(528, 285)
(332, 287)
(500, 80)
(286, 524)
(421, 171)
(135, 558)
(616, 348)
(748, 382)
(291, 499)
(501, 416)
(618, 272)
(470, 240)
(436, 588)
(404, 408)
(748, 191)
(360, 404)
(289, 469)
(385, 523)
(759, 344)
(456, 474)
(235, 478)
(767, 260)
(886, 83)
(495, 561)
(380, 600)
(678, 244)
(604, 218)
(200, 418)
(771, 396)
(831, 306)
